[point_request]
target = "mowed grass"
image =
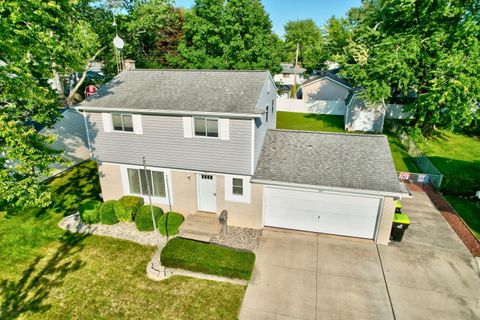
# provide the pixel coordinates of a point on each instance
(329, 123)
(208, 258)
(47, 273)
(469, 210)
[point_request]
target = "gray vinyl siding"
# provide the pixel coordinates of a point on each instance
(163, 145)
(261, 126)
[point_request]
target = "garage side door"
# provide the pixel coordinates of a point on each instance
(321, 212)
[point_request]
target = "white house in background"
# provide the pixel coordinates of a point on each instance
(287, 76)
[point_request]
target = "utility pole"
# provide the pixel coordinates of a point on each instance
(295, 73)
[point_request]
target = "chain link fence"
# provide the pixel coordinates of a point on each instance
(421, 160)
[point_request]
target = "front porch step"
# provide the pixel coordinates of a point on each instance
(195, 236)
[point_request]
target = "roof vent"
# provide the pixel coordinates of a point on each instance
(129, 64)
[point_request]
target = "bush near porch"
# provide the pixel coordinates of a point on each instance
(208, 258)
(173, 219)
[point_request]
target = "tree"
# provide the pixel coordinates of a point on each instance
(39, 39)
(337, 36)
(232, 34)
(309, 36)
(154, 31)
(429, 47)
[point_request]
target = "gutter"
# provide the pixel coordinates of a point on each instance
(170, 112)
(326, 189)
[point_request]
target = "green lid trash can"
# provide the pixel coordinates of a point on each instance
(398, 207)
(400, 223)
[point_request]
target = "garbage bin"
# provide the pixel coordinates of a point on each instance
(400, 224)
(398, 207)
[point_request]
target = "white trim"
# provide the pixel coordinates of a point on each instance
(172, 112)
(224, 128)
(187, 127)
(327, 78)
(126, 185)
(107, 122)
(247, 189)
(253, 147)
(379, 220)
(328, 189)
(137, 123)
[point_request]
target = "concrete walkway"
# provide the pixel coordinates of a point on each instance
(429, 275)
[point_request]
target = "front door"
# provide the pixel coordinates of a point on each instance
(207, 197)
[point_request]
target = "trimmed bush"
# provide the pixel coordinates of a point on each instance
(107, 212)
(174, 219)
(208, 258)
(126, 207)
(89, 211)
(143, 218)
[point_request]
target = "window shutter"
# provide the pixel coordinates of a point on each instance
(187, 127)
(107, 122)
(137, 123)
(224, 129)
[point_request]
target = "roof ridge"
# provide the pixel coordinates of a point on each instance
(200, 70)
(330, 133)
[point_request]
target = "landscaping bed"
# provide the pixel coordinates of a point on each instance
(208, 258)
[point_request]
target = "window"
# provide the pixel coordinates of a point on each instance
(206, 127)
(286, 75)
(273, 106)
(122, 122)
(141, 180)
(266, 114)
(237, 186)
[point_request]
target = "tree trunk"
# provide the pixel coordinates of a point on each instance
(69, 99)
(427, 126)
(58, 84)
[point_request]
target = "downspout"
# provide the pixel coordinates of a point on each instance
(88, 135)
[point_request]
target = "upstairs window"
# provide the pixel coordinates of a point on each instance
(273, 105)
(122, 122)
(141, 180)
(237, 186)
(206, 127)
(266, 114)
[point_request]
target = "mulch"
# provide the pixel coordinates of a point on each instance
(453, 219)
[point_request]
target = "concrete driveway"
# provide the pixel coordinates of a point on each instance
(429, 275)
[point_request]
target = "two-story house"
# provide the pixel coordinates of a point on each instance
(209, 142)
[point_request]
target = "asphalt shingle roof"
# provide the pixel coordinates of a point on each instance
(326, 74)
(182, 90)
(340, 160)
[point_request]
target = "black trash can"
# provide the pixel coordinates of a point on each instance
(400, 224)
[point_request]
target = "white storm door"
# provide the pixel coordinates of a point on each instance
(206, 189)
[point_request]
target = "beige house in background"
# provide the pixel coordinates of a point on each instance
(210, 146)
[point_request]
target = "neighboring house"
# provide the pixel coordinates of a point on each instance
(287, 76)
(71, 139)
(211, 147)
(361, 115)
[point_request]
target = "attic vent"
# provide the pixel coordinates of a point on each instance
(309, 146)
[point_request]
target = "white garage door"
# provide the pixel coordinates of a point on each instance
(321, 212)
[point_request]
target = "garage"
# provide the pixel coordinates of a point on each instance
(333, 183)
(311, 210)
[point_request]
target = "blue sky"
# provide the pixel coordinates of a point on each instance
(281, 11)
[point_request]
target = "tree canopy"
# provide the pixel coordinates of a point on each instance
(429, 49)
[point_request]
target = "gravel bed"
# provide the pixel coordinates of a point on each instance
(121, 230)
(239, 238)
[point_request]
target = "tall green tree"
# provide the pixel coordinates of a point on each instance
(232, 34)
(337, 36)
(310, 39)
(429, 47)
(38, 40)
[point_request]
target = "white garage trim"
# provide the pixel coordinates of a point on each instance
(337, 213)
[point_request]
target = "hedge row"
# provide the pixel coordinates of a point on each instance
(130, 208)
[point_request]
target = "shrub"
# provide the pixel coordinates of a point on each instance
(127, 206)
(174, 219)
(89, 211)
(208, 258)
(143, 218)
(107, 212)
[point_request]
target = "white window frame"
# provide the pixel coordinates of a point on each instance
(123, 126)
(247, 189)
(206, 131)
(155, 199)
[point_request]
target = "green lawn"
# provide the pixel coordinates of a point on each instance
(47, 273)
(457, 156)
(329, 123)
(208, 258)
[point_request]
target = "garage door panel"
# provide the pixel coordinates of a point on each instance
(321, 212)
